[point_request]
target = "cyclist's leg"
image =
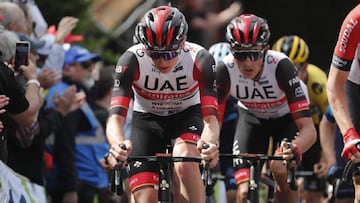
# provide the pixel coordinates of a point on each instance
(226, 165)
(284, 128)
(313, 187)
(186, 129)
(146, 140)
(345, 193)
(356, 182)
(249, 138)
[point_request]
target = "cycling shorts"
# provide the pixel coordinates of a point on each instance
(253, 134)
(151, 134)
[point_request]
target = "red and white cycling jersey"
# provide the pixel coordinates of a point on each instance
(190, 82)
(277, 92)
(346, 53)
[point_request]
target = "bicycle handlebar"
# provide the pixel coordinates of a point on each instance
(115, 183)
(164, 158)
(249, 156)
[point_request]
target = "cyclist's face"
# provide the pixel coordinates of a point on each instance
(165, 60)
(164, 65)
(249, 60)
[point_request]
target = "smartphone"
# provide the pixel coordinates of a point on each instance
(21, 55)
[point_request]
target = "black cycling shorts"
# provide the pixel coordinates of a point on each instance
(151, 134)
(252, 135)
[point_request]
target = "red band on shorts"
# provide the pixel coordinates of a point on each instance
(143, 179)
(189, 137)
(242, 175)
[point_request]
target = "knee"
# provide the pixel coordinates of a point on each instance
(278, 168)
(242, 192)
(187, 170)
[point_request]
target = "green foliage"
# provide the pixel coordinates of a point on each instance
(94, 39)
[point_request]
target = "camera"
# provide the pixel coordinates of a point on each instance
(21, 55)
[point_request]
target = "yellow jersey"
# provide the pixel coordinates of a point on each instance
(316, 85)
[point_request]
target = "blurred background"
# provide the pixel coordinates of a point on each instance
(108, 25)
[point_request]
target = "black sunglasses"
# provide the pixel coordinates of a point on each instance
(86, 64)
(244, 54)
(166, 55)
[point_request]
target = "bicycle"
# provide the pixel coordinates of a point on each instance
(256, 162)
(166, 163)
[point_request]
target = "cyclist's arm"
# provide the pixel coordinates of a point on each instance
(125, 72)
(344, 53)
(205, 74)
(337, 98)
(223, 88)
(327, 131)
(298, 104)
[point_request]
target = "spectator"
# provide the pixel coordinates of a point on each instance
(52, 54)
(13, 17)
(26, 156)
(24, 106)
(77, 173)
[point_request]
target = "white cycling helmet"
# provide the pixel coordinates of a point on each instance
(219, 51)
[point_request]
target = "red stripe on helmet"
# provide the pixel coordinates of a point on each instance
(169, 36)
(246, 29)
(160, 16)
(256, 31)
(236, 33)
(149, 36)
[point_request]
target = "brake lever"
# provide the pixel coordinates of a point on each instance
(116, 184)
(291, 179)
(207, 176)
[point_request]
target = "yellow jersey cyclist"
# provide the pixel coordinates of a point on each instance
(315, 79)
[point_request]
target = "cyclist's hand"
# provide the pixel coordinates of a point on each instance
(321, 169)
(118, 154)
(211, 153)
(289, 151)
(70, 197)
(350, 150)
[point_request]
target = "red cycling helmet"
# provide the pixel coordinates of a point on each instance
(248, 30)
(162, 29)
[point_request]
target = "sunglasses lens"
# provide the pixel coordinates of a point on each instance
(86, 64)
(166, 55)
(252, 55)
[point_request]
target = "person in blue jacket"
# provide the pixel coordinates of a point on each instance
(77, 149)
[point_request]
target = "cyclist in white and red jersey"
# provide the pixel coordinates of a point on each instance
(343, 89)
(172, 82)
(266, 83)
